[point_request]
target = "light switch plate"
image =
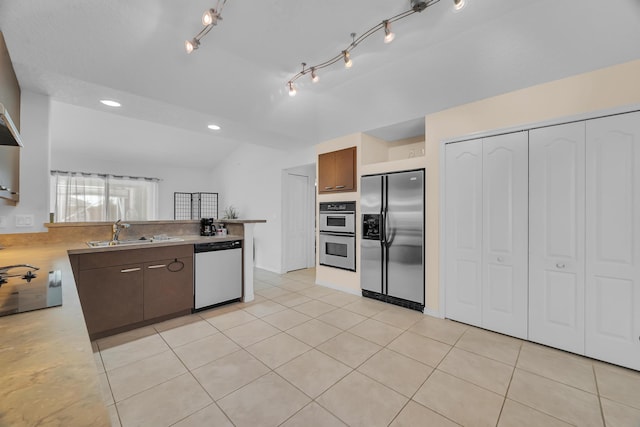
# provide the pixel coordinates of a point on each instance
(3, 221)
(24, 220)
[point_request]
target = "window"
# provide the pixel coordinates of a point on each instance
(86, 197)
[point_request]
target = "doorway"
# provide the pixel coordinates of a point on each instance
(298, 208)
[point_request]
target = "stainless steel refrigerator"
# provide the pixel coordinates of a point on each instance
(392, 244)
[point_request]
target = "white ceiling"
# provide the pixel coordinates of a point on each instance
(81, 51)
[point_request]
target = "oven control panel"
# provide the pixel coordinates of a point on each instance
(338, 207)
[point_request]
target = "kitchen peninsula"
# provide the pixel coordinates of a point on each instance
(47, 367)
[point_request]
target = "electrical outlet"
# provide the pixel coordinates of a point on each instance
(24, 220)
(3, 222)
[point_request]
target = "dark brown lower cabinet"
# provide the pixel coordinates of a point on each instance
(128, 288)
(168, 287)
(111, 297)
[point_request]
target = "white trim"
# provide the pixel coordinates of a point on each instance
(433, 313)
(443, 172)
(546, 123)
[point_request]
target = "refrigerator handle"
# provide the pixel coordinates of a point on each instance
(382, 231)
(385, 213)
(382, 217)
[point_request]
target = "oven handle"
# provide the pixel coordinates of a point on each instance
(331, 233)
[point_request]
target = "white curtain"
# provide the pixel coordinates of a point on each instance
(84, 197)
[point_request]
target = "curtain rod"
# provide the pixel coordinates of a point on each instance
(104, 175)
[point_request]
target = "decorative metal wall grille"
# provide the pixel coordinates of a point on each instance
(195, 205)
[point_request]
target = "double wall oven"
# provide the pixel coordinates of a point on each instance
(338, 235)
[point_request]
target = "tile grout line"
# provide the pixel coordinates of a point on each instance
(506, 393)
(595, 377)
(429, 376)
(110, 389)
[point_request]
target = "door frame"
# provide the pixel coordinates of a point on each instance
(309, 171)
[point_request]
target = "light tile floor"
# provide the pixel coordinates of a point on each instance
(306, 355)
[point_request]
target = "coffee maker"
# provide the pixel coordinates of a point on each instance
(207, 227)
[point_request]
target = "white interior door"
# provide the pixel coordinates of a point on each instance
(504, 234)
(556, 236)
(613, 239)
(297, 224)
(463, 229)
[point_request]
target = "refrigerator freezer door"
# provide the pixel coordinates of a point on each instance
(405, 236)
(371, 250)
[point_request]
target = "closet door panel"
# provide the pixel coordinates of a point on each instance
(613, 239)
(463, 240)
(505, 228)
(556, 236)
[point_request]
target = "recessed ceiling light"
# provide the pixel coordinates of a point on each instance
(214, 127)
(110, 103)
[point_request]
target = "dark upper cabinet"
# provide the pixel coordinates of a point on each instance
(337, 171)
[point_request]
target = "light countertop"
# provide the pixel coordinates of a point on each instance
(47, 369)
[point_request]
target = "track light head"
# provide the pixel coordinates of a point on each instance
(459, 4)
(388, 34)
(210, 17)
(191, 45)
(348, 63)
(292, 89)
(314, 76)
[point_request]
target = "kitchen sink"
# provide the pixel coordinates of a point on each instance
(128, 242)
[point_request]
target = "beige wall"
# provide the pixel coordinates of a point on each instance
(9, 89)
(590, 92)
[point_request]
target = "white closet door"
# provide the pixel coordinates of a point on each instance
(504, 235)
(613, 239)
(463, 210)
(556, 236)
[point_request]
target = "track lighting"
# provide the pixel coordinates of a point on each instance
(388, 34)
(385, 25)
(210, 19)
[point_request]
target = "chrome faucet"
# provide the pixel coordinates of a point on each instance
(118, 226)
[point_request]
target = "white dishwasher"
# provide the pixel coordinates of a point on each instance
(218, 273)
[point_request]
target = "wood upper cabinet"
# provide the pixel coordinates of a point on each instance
(337, 171)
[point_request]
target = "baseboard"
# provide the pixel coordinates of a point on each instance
(433, 313)
(338, 287)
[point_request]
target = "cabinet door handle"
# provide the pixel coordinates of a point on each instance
(157, 266)
(328, 188)
(560, 265)
(130, 270)
(339, 186)
(500, 259)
